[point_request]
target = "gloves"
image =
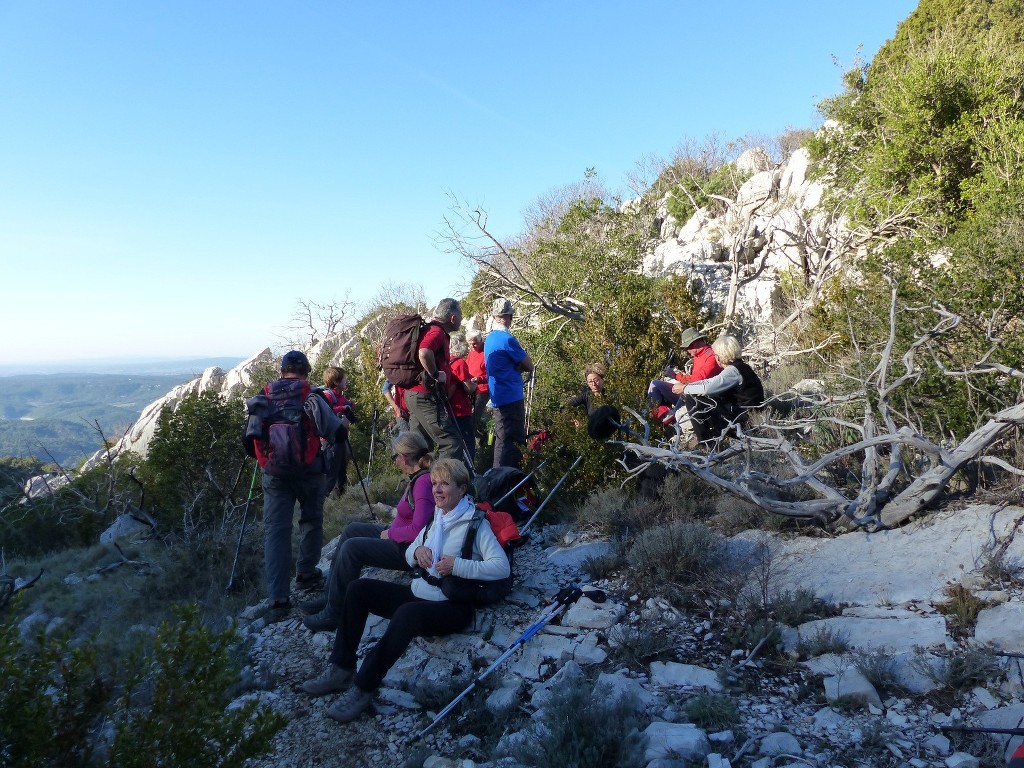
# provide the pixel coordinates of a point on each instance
(349, 414)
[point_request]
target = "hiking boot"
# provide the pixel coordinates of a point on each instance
(277, 611)
(315, 605)
(351, 705)
(333, 680)
(308, 582)
(325, 621)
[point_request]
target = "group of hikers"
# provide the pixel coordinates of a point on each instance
(299, 436)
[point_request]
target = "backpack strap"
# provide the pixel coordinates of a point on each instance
(479, 515)
(408, 491)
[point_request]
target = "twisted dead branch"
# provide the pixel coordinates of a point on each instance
(888, 472)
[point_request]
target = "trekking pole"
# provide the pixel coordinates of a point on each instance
(373, 437)
(451, 414)
(241, 533)
(565, 597)
(359, 477)
(550, 494)
(516, 487)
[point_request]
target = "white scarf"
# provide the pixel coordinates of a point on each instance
(442, 522)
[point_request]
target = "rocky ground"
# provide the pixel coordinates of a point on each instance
(820, 701)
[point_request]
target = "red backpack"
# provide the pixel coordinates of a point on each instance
(289, 444)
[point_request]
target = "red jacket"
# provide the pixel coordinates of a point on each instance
(461, 404)
(477, 368)
(436, 339)
(705, 365)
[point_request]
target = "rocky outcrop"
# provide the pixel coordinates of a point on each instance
(769, 228)
(812, 714)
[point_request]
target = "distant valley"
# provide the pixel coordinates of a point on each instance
(52, 417)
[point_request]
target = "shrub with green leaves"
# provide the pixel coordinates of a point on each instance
(167, 705)
(193, 472)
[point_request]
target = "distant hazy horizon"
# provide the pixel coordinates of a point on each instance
(124, 365)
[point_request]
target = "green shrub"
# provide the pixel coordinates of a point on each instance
(167, 705)
(713, 711)
(686, 556)
(581, 729)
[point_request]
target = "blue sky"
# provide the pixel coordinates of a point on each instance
(176, 176)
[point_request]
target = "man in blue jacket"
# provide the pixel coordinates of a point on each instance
(506, 361)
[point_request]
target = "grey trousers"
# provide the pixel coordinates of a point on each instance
(429, 415)
(279, 498)
(360, 545)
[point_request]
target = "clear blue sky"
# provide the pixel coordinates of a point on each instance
(175, 176)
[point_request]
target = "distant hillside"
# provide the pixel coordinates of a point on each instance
(55, 413)
(127, 366)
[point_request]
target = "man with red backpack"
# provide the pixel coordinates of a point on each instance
(287, 421)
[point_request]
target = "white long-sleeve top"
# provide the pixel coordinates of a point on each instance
(492, 565)
(729, 377)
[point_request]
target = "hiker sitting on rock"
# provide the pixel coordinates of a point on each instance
(416, 610)
(370, 544)
(718, 403)
(665, 395)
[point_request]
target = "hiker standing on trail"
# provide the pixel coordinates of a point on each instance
(287, 421)
(427, 402)
(461, 389)
(419, 609)
(337, 456)
(506, 361)
(478, 370)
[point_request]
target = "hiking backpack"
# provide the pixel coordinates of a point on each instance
(399, 352)
(479, 592)
(288, 444)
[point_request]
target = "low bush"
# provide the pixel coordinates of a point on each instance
(679, 556)
(879, 668)
(713, 711)
(581, 729)
(964, 668)
(961, 609)
(65, 704)
(638, 646)
(823, 640)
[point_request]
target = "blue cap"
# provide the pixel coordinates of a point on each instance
(296, 361)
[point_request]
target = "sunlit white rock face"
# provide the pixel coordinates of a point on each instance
(767, 227)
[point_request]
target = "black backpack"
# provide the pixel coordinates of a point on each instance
(399, 352)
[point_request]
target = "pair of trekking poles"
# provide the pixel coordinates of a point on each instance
(252, 490)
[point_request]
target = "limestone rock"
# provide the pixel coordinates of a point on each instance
(1001, 627)
(680, 740)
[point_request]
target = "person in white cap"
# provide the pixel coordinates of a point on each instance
(506, 361)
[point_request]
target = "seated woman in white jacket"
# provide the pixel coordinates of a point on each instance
(417, 609)
(718, 403)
